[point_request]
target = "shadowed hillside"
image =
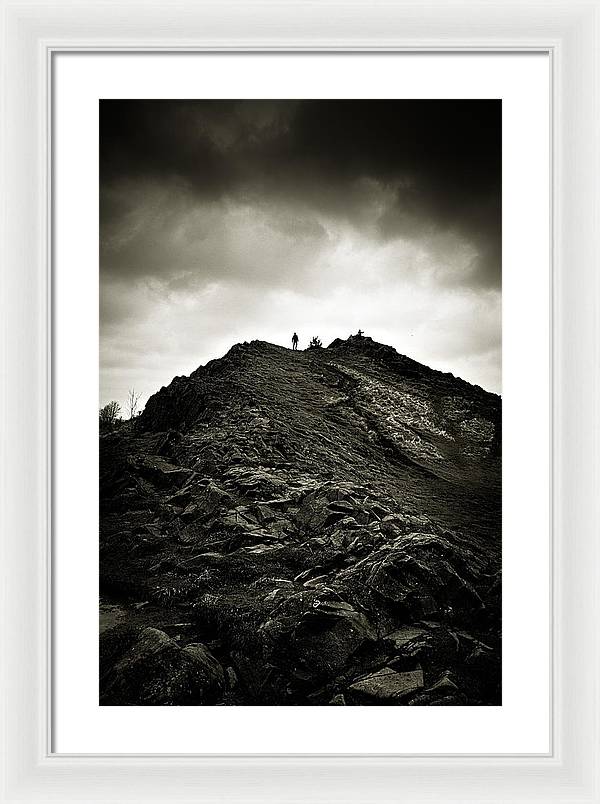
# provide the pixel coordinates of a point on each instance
(303, 528)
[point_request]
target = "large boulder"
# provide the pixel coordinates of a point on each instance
(315, 634)
(426, 572)
(144, 667)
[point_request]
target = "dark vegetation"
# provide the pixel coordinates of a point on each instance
(109, 415)
(303, 528)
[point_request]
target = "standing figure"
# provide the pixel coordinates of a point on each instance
(360, 333)
(294, 342)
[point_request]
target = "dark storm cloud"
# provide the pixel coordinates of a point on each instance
(438, 161)
(223, 221)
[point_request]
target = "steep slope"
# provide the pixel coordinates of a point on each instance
(324, 526)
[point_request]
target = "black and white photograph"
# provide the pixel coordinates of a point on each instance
(300, 413)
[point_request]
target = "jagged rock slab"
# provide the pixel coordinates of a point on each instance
(388, 685)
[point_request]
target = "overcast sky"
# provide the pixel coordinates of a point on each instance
(225, 221)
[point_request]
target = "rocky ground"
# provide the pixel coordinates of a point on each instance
(319, 527)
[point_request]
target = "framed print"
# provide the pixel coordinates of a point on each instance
(257, 521)
(300, 447)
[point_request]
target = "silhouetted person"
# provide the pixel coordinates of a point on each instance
(360, 333)
(294, 342)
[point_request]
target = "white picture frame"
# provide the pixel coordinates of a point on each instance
(31, 33)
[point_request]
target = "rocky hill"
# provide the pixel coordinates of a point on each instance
(319, 527)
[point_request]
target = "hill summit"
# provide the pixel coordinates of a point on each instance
(304, 528)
